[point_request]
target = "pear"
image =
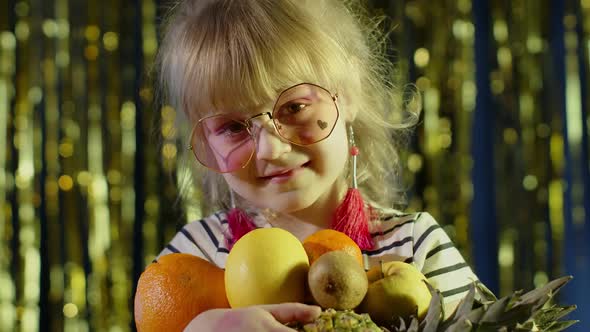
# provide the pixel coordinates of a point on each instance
(336, 280)
(397, 291)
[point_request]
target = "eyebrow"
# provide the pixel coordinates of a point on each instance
(271, 103)
(245, 113)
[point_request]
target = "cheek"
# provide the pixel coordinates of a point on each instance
(240, 178)
(239, 185)
(333, 153)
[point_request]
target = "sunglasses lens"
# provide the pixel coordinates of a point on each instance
(305, 114)
(222, 143)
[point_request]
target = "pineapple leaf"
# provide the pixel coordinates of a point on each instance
(454, 319)
(538, 297)
(515, 315)
(466, 305)
(464, 322)
(402, 326)
(435, 311)
(461, 325)
(495, 310)
(474, 316)
(559, 326)
(554, 313)
(526, 327)
(486, 294)
(488, 327)
(414, 325)
(411, 324)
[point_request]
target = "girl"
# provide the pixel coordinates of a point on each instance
(286, 104)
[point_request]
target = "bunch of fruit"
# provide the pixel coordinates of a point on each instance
(269, 265)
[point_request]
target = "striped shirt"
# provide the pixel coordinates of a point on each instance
(413, 238)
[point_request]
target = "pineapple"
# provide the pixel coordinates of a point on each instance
(341, 321)
(516, 312)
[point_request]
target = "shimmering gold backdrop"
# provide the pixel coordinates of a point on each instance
(87, 157)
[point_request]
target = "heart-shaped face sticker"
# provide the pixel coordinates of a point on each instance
(322, 124)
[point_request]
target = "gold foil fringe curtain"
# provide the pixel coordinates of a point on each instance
(81, 166)
(86, 199)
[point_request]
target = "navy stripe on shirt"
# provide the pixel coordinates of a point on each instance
(457, 290)
(388, 247)
(172, 248)
(392, 228)
(439, 248)
(189, 236)
(395, 215)
(424, 236)
(447, 269)
(221, 220)
(210, 233)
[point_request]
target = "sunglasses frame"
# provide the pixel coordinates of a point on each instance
(247, 124)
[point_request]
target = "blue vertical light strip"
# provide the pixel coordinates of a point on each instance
(584, 65)
(483, 225)
(575, 255)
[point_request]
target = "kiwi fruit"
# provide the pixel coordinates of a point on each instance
(336, 280)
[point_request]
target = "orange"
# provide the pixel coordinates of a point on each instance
(174, 290)
(327, 240)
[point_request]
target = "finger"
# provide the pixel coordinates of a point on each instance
(290, 312)
(276, 326)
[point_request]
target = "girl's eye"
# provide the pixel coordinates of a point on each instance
(294, 111)
(231, 128)
(295, 108)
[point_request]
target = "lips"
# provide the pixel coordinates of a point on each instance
(278, 173)
(283, 173)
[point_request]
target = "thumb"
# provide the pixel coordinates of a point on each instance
(291, 312)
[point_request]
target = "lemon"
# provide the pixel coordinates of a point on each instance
(267, 265)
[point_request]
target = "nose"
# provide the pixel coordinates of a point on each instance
(269, 144)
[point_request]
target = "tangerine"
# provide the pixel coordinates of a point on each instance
(328, 240)
(174, 290)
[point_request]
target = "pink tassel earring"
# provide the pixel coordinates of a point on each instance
(239, 222)
(350, 216)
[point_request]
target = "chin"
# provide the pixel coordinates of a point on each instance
(289, 204)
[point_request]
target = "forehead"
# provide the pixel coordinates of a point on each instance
(248, 107)
(236, 103)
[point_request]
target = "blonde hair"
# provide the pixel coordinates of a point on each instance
(235, 54)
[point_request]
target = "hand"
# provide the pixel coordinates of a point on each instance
(267, 318)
